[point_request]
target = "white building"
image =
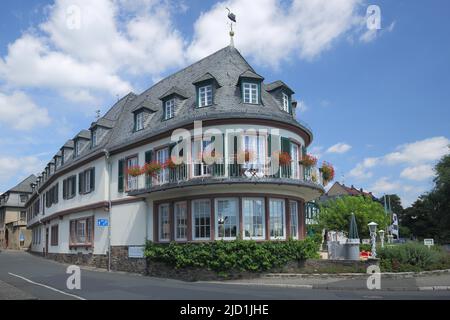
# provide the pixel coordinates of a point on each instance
(88, 182)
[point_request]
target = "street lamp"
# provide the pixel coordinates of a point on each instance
(373, 236)
(381, 232)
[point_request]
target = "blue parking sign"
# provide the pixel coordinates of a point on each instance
(102, 222)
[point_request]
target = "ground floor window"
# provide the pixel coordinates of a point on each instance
(254, 221)
(180, 210)
(54, 235)
(164, 222)
(81, 232)
(227, 218)
(277, 219)
(201, 219)
(293, 208)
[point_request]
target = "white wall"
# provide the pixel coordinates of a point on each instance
(129, 224)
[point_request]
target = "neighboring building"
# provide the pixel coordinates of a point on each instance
(13, 224)
(339, 190)
(87, 195)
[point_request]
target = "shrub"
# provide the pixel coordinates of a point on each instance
(412, 257)
(239, 255)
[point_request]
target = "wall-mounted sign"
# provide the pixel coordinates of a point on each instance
(136, 252)
(102, 222)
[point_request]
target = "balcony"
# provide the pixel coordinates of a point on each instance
(190, 175)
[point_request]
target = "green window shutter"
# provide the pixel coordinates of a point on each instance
(121, 175)
(259, 93)
(285, 145)
(80, 183)
(269, 145)
(92, 173)
(65, 189)
(304, 151)
(197, 90)
(57, 193)
(148, 156)
(290, 104)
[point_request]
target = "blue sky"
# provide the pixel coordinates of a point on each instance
(377, 100)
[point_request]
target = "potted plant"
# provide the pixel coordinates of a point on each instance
(170, 164)
(308, 160)
(152, 168)
(327, 171)
(134, 171)
(284, 158)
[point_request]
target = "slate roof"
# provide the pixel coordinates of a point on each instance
(278, 84)
(25, 185)
(226, 66)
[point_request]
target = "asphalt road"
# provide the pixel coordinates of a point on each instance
(24, 276)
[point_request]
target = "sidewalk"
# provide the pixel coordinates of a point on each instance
(402, 282)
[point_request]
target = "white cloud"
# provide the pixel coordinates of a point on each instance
(94, 56)
(272, 32)
(427, 150)
(372, 34)
(316, 151)
(339, 148)
(383, 185)
(361, 171)
(302, 106)
(21, 113)
(418, 173)
(23, 166)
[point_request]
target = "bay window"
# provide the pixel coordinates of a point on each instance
(199, 149)
(293, 211)
(227, 220)
(256, 147)
(180, 212)
(201, 219)
(254, 221)
(164, 222)
(277, 219)
(286, 102)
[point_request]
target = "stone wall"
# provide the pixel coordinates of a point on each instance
(119, 260)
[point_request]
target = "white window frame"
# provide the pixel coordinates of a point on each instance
(169, 109)
(205, 96)
(160, 220)
(205, 169)
(139, 121)
(162, 155)
(283, 217)
(250, 92)
(217, 216)
(94, 138)
(205, 225)
(257, 144)
(295, 155)
(292, 216)
(132, 182)
(244, 216)
(285, 102)
(176, 224)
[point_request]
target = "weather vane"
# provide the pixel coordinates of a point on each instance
(232, 17)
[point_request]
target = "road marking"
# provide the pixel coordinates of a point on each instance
(45, 286)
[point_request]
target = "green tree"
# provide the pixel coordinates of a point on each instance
(335, 214)
(429, 216)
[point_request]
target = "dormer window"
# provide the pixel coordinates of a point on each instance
(205, 96)
(169, 109)
(94, 138)
(139, 121)
(76, 152)
(250, 93)
(286, 102)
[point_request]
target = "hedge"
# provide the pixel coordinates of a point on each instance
(238, 255)
(412, 257)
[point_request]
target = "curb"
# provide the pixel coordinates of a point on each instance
(390, 275)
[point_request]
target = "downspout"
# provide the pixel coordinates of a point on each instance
(108, 195)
